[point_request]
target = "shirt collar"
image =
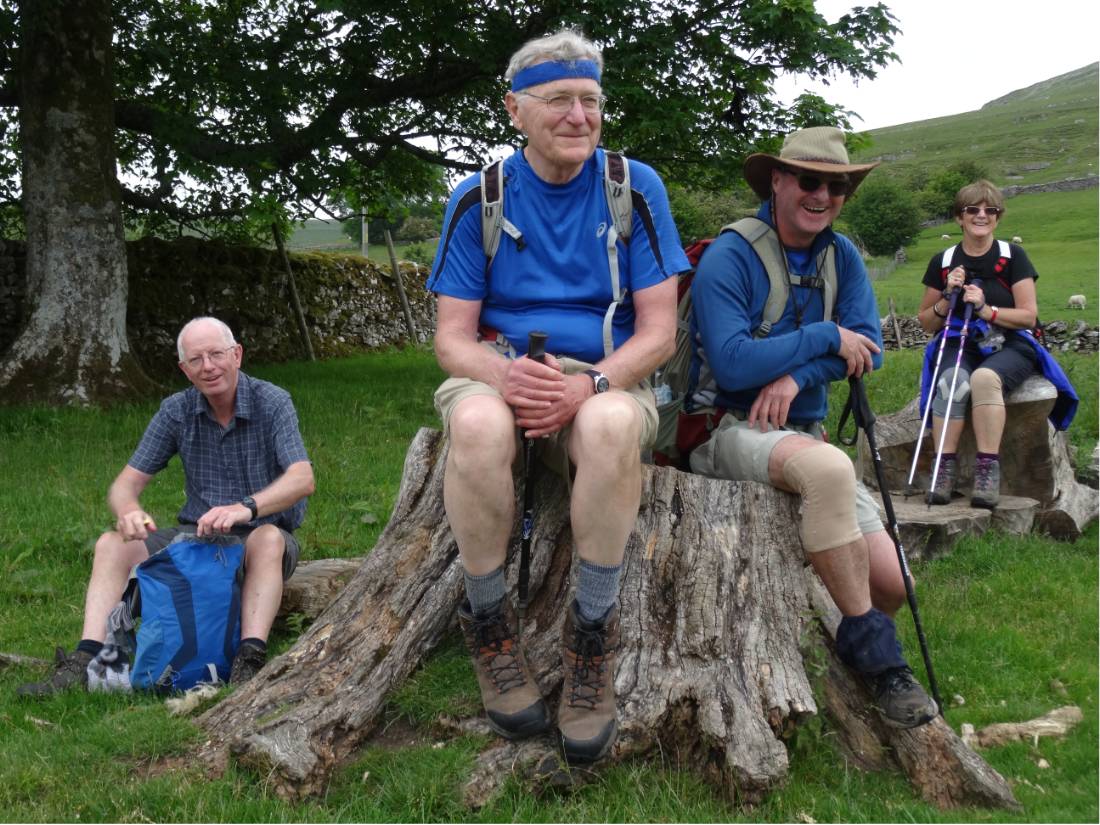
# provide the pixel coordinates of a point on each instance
(242, 406)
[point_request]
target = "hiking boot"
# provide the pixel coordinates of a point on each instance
(945, 481)
(587, 712)
(509, 692)
(987, 483)
(900, 698)
(246, 663)
(70, 669)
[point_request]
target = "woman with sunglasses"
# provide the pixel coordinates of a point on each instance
(995, 280)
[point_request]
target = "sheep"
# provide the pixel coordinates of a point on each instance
(1076, 302)
(1017, 239)
(945, 237)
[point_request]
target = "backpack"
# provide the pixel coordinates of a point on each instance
(680, 432)
(189, 598)
(1005, 251)
(620, 202)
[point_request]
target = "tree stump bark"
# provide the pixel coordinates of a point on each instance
(1035, 459)
(718, 624)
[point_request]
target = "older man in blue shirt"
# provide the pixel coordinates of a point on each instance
(246, 473)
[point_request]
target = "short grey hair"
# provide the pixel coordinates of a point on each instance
(563, 46)
(227, 333)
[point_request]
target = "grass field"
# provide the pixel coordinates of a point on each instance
(1009, 619)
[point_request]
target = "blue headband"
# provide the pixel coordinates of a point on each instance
(554, 70)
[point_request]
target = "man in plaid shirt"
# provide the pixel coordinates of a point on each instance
(247, 473)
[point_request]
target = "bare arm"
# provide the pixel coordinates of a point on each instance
(287, 490)
(1021, 316)
(123, 499)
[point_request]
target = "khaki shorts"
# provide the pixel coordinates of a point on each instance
(554, 448)
(739, 452)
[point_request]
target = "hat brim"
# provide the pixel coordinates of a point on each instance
(758, 171)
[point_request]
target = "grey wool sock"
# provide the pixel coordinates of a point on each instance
(597, 589)
(485, 592)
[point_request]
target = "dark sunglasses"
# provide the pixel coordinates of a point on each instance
(811, 183)
(992, 211)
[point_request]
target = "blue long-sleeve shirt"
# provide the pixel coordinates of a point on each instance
(729, 292)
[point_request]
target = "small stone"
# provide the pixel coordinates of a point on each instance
(1057, 686)
(1042, 763)
(957, 701)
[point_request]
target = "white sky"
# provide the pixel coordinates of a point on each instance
(956, 55)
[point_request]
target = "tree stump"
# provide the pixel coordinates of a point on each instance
(718, 625)
(1035, 459)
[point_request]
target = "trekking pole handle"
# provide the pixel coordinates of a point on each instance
(536, 346)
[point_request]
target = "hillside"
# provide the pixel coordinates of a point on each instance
(1043, 133)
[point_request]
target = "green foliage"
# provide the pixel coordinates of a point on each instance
(219, 105)
(701, 214)
(936, 197)
(882, 216)
(417, 229)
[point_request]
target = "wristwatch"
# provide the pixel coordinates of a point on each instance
(599, 380)
(250, 503)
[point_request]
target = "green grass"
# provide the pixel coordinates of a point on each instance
(1005, 617)
(1044, 133)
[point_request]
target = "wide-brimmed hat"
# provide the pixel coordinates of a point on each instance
(815, 149)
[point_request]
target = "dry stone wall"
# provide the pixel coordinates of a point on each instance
(351, 304)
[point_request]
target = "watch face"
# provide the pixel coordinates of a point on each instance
(602, 384)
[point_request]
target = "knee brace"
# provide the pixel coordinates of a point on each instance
(958, 402)
(987, 388)
(826, 480)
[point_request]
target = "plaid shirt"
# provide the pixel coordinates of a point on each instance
(223, 465)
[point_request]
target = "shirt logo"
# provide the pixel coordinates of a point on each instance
(601, 229)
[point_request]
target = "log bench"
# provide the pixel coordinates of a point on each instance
(725, 635)
(1035, 460)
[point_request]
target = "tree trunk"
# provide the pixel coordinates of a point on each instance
(718, 624)
(73, 347)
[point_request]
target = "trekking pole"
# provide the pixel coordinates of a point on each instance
(950, 394)
(865, 420)
(935, 376)
(536, 350)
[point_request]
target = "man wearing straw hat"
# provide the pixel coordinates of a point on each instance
(772, 380)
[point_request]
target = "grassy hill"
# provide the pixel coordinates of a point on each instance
(1046, 132)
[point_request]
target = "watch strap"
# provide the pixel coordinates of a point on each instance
(250, 503)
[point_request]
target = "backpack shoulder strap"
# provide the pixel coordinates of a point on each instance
(765, 243)
(616, 187)
(493, 221)
(948, 257)
(1005, 249)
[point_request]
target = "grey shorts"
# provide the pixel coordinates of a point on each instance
(453, 390)
(739, 452)
(159, 539)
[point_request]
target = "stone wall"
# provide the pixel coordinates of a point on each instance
(350, 304)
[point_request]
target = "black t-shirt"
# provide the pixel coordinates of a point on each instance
(996, 272)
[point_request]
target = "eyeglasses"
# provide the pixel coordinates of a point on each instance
(811, 183)
(217, 358)
(992, 211)
(563, 104)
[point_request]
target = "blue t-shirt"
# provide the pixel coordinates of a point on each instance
(729, 292)
(560, 281)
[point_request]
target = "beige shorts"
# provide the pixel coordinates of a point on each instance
(739, 452)
(554, 448)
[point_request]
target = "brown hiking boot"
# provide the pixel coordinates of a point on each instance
(70, 669)
(945, 481)
(508, 690)
(987, 483)
(246, 664)
(587, 713)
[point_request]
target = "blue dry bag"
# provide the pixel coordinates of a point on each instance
(190, 606)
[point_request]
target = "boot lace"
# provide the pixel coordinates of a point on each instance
(983, 474)
(494, 646)
(589, 666)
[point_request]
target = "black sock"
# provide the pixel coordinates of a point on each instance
(987, 456)
(256, 644)
(89, 646)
